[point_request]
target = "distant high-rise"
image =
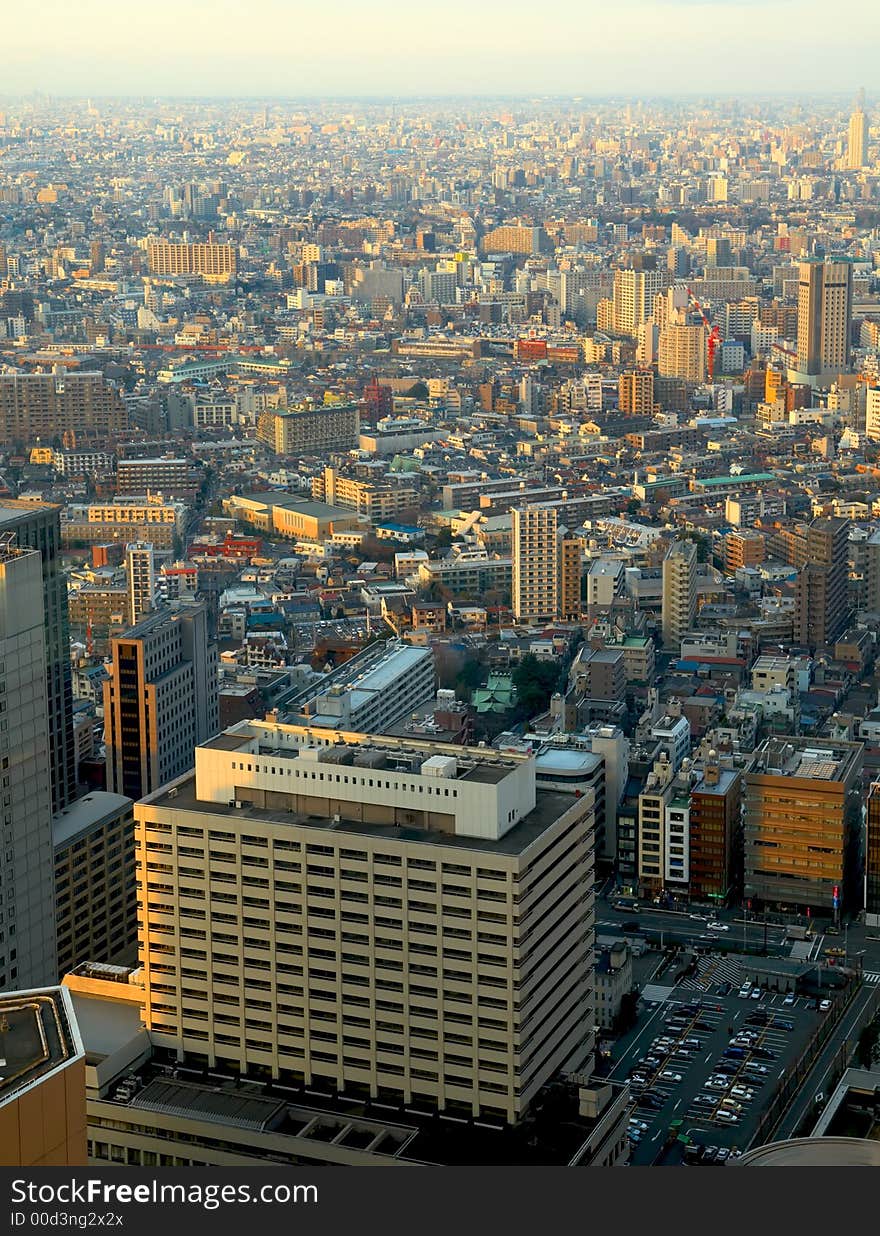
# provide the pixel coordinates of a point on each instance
(37, 525)
(822, 608)
(679, 592)
(536, 575)
(857, 137)
(211, 260)
(633, 297)
(27, 886)
(140, 567)
(825, 292)
(160, 700)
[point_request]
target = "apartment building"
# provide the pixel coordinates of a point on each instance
(536, 577)
(160, 699)
(679, 604)
(309, 431)
(375, 915)
(46, 406)
(101, 523)
(375, 500)
(211, 260)
(174, 478)
(95, 891)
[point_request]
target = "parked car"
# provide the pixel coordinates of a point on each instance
(824, 1006)
(789, 999)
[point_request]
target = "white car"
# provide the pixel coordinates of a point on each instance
(824, 1006)
(717, 926)
(726, 1117)
(742, 1092)
(789, 999)
(670, 1076)
(755, 993)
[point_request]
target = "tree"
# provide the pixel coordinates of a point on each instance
(535, 682)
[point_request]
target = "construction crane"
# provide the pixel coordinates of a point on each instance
(712, 332)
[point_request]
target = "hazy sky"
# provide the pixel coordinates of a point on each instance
(392, 47)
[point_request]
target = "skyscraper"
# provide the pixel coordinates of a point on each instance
(824, 316)
(27, 939)
(37, 525)
(857, 137)
(633, 297)
(160, 700)
(679, 592)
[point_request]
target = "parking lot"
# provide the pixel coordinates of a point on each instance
(711, 1062)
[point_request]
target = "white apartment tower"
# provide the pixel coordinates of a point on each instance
(27, 885)
(633, 298)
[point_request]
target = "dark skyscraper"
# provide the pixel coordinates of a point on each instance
(822, 610)
(37, 525)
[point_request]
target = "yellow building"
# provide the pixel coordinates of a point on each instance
(42, 1084)
(211, 260)
(310, 431)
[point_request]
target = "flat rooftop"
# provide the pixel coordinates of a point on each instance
(86, 813)
(40, 1037)
(808, 759)
(549, 806)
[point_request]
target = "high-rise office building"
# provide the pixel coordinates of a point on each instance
(825, 292)
(160, 699)
(27, 941)
(857, 137)
(536, 574)
(802, 820)
(872, 857)
(140, 569)
(714, 841)
(385, 917)
(37, 525)
(822, 602)
(679, 602)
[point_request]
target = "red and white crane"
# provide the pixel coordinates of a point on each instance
(713, 334)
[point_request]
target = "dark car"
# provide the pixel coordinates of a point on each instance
(763, 1053)
(630, 926)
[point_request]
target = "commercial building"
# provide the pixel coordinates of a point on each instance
(42, 1087)
(613, 981)
(374, 690)
(802, 819)
(211, 260)
(872, 857)
(857, 139)
(95, 891)
(373, 907)
(679, 604)
(310, 431)
(290, 516)
(27, 938)
(37, 525)
(160, 699)
(825, 294)
(46, 406)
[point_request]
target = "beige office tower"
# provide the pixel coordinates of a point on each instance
(679, 592)
(633, 296)
(825, 292)
(376, 917)
(160, 699)
(682, 353)
(536, 573)
(140, 568)
(27, 938)
(857, 139)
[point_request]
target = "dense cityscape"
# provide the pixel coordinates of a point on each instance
(439, 617)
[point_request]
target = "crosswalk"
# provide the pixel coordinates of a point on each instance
(870, 977)
(712, 970)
